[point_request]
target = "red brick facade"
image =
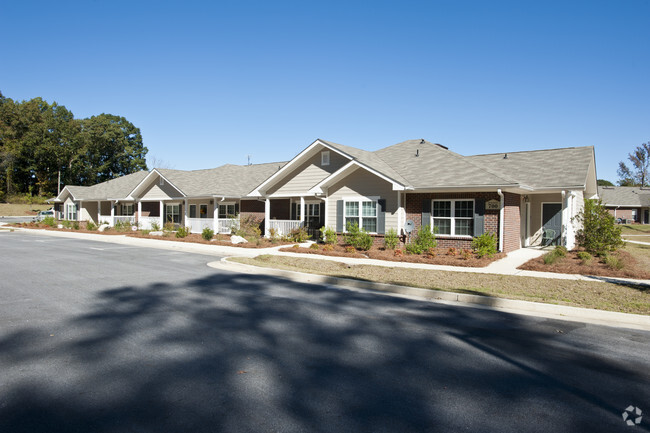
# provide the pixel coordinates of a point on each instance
(253, 209)
(626, 213)
(414, 203)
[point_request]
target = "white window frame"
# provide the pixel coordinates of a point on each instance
(172, 205)
(325, 158)
(226, 203)
(452, 218)
(360, 217)
(71, 211)
(206, 210)
(125, 210)
(189, 210)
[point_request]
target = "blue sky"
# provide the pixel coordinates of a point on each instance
(209, 83)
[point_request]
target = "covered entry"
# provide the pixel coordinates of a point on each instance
(551, 223)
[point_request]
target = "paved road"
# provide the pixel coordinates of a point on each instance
(98, 337)
(17, 219)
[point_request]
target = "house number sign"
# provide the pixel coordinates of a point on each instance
(492, 205)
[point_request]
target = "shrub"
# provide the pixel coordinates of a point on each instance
(424, 239)
(328, 247)
(550, 258)
(391, 240)
(75, 225)
(91, 226)
(560, 251)
(614, 262)
(329, 235)
(65, 224)
(207, 233)
(182, 232)
(273, 234)
(431, 252)
(155, 227)
(299, 235)
(452, 251)
(485, 245)
(599, 234)
(313, 246)
(585, 257)
(248, 228)
(466, 254)
(350, 249)
(169, 227)
(48, 221)
(358, 238)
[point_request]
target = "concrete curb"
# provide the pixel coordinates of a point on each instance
(559, 312)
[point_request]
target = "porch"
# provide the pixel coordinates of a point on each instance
(282, 215)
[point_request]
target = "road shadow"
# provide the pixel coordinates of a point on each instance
(243, 353)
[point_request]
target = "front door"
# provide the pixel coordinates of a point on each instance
(314, 219)
(551, 223)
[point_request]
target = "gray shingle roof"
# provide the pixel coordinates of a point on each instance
(228, 180)
(624, 196)
(428, 165)
(117, 188)
(541, 168)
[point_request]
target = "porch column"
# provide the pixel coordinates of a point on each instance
(215, 216)
(81, 203)
(186, 214)
(267, 217)
(326, 209)
(302, 210)
(399, 212)
(112, 213)
(162, 214)
(99, 212)
(139, 213)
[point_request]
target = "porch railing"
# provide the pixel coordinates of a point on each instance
(226, 226)
(124, 219)
(284, 227)
(197, 225)
(145, 222)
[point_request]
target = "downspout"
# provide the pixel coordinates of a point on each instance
(501, 217)
(564, 225)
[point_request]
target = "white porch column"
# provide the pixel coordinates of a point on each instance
(112, 213)
(99, 212)
(302, 210)
(399, 212)
(81, 204)
(162, 214)
(326, 209)
(267, 217)
(215, 216)
(139, 214)
(185, 212)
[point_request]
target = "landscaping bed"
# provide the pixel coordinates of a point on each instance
(436, 256)
(630, 262)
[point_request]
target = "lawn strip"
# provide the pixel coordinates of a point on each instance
(586, 294)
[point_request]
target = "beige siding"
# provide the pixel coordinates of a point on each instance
(310, 173)
(362, 183)
(198, 203)
(155, 191)
(88, 211)
(536, 201)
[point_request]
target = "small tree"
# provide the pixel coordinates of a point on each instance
(639, 173)
(599, 233)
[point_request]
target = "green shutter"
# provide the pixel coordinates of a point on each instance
(339, 216)
(479, 216)
(381, 217)
(426, 212)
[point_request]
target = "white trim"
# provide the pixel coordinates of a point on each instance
(142, 182)
(341, 172)
(360, 199)
(452, 218)
(502, 214)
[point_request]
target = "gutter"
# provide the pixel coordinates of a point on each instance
(501, 218)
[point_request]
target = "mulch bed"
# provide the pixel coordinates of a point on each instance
(441, 258)
(571, 264)
(192, 238)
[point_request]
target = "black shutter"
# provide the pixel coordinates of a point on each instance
(236, 209)
(426, 212)
(294, 211)
(381, 217)
(479, 216)
(321, 219)
(339, 216)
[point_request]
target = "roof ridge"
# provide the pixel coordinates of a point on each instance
(532, 151)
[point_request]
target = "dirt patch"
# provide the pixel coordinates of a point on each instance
(634, 265)
(441, 256)
(10, 209)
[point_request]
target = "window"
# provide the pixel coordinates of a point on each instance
(227, 211)
(325, 157)
(192, 211)
(203, 211)
(71, 212)
(313, 210)
(453, 217)
(362, 212)
(127, 209)
(173, 213)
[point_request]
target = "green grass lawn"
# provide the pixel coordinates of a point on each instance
(626, 298)
(635, 229)
(10, 209)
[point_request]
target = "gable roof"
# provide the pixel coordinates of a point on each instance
(627, 196)
(552, 168)
(117, 188)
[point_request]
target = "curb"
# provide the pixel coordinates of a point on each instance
(559, 312)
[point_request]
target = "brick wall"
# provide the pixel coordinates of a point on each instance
(491, 220)
(253, 209)
(626, 213)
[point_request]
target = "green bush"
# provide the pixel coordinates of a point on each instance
(65, 224)
(585, 257)
(560, 251)
(207, 233)
(182, 232)
(391, 240)
(599, 234)
(155, 227)
(313, 246)
(75, 225)
(424, 239)
(48, 221)
(550, 258)
(358, 238)
(298, 235)
(91, 226)
(485, 245)
(329, 235)
(614, 262)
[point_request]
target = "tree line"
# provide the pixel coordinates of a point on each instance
(43, 146)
